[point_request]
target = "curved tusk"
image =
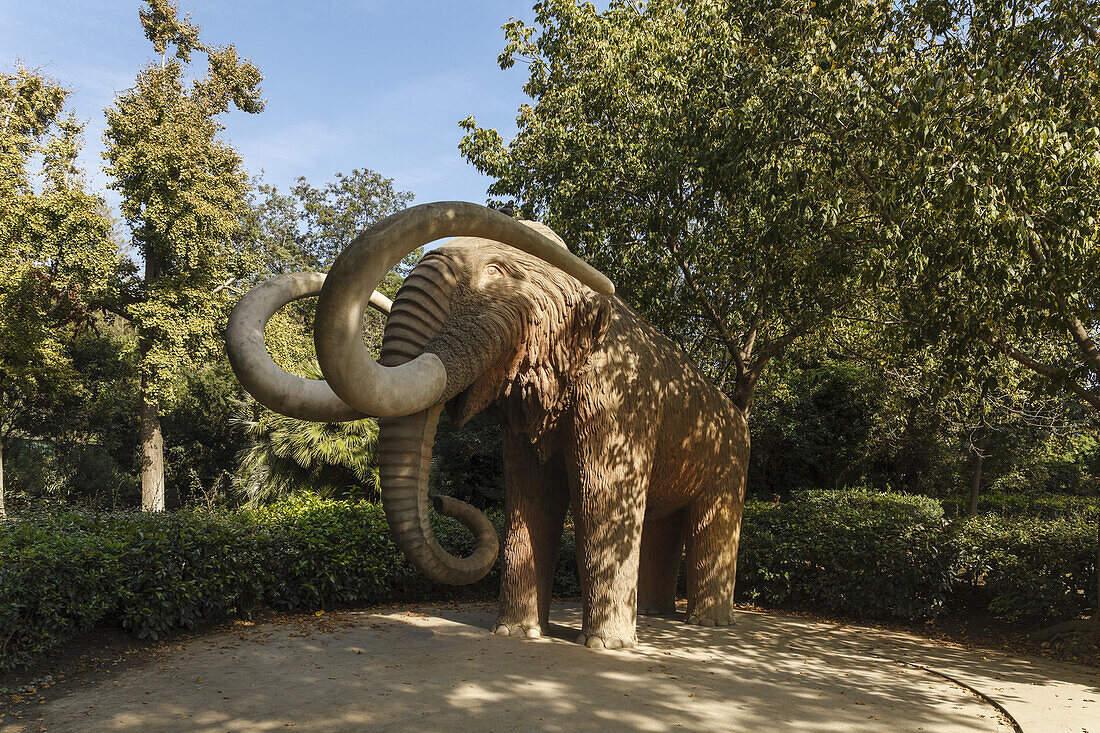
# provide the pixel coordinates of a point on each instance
(418, 384)
(380, 302)
(283, 392)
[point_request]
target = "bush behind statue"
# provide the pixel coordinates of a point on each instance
(860, 553)
(1027, 569)
(151, 573)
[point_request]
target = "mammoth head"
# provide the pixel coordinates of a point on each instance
(467, 317)
(499, 319)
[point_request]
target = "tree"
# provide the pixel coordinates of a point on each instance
(992, 185)
(774, 163)
(991, 188)
(680, 145)
(184, 196)
(305, 230)
(57, 255)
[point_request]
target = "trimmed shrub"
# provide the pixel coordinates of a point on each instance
(52, 586)
(178, 570)
(61, 573)
(1030, 505)
(1025, 569)
(861, 553)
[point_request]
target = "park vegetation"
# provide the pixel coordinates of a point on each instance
(874, 224)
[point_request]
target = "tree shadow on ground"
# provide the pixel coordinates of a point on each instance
(440, 670)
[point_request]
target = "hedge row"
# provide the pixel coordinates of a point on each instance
(868, 554)
(864, 554)
(151, 573)
(1028, 570)
(856, 552)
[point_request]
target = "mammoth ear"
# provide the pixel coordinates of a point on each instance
(593, 320)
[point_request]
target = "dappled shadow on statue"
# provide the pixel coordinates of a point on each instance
(601, 413)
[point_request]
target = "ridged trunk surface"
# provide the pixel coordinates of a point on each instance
(152, 455)
(405, 443)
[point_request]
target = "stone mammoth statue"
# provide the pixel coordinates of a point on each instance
(600, 412)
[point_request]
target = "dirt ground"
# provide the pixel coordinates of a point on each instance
(437, 668)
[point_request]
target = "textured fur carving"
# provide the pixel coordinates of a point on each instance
(602, 414)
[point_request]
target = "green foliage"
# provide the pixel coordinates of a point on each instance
(80, 447)
(991, 179)
(305, 231)
(1028, 569)
(184, 196)
(63, 572)
(467, 462)
(1067, 466)
(283, 455)
(182, 570)
(1028, 506)
(57, 256)
(687, 149)
(307, 228)
(53, 585)
(860, 553)
(820, 423)
(201, 441)
(152, 573)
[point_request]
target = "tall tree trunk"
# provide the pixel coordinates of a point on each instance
(976, 475)
(152, 455)
(3, 512)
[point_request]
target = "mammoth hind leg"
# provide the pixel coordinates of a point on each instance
(714, 531)
(659, 565)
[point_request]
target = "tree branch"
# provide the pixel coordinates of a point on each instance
(224, 285)
(712, 313)
(1044, 369)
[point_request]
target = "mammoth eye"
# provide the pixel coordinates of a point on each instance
(494, 271)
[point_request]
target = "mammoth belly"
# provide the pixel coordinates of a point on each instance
(693, 466)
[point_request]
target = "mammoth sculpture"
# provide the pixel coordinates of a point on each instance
(600, 413)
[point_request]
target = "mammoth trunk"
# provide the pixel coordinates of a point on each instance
(405, 443)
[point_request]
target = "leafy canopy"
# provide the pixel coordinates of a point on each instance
(992, 181)
(706, 156)
(58, 257)
(184, 194)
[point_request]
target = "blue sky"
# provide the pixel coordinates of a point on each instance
(377, 84)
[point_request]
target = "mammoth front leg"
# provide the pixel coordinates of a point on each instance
(535, 501)
(608, 507)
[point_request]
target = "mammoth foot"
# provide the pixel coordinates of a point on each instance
(657, 611)
(606, 641)
(711, 620)
(531, 631)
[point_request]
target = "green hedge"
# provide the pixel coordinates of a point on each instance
(860, 553)
(64, 572)
(1026, 569)
(53, 585)
(1032, 505)
(151, 573)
